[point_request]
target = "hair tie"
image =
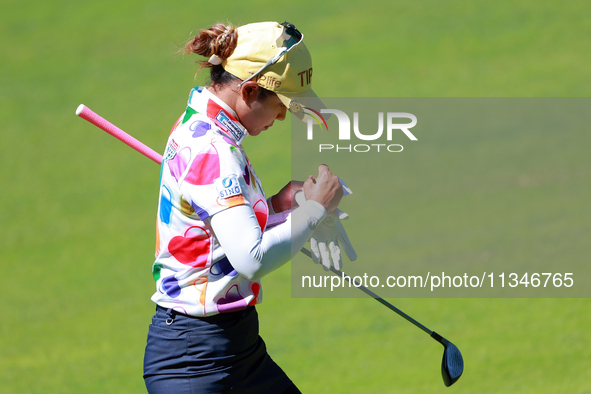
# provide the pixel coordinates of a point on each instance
(215, 60)
(224, 35)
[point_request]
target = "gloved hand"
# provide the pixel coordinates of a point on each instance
(328, 238)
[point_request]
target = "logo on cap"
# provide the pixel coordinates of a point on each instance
(295, 108)
(307, 74)
(269, 82)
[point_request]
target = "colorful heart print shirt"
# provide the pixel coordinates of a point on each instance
(204, 171)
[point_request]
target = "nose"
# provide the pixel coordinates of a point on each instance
(282, 113)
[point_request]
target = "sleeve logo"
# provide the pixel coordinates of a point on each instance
(228, 186)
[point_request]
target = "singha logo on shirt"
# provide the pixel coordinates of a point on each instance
(228, 186)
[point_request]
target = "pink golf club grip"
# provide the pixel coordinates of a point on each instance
(86, 113)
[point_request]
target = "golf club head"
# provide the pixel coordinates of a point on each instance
(452, 364)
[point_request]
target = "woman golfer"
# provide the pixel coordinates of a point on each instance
(214, 241)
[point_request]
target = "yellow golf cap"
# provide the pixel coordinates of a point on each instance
(290, 77)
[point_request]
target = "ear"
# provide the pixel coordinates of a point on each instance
(249, 91)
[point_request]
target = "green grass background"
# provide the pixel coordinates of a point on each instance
(78, 207)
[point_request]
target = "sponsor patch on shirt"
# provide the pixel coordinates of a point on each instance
(171, 150)
(228, 186)
(235, 129)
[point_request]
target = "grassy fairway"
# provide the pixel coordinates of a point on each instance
(78, 207)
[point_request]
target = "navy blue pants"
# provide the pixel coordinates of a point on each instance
(216, 354)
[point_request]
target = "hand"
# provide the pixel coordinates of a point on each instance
(328, 238)
(325, 189)
(284, 200)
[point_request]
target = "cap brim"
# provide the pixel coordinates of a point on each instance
(304, 106)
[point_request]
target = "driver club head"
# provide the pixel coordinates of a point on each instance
(452, 364)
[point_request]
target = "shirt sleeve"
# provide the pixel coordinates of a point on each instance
(215, 179)
(254, 254)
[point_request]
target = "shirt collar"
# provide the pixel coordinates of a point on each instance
(202, 100)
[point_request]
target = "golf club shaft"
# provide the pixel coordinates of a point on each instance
(97, 120)
(374, 295)
(87, 114)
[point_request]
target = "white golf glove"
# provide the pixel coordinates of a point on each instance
(328, 238)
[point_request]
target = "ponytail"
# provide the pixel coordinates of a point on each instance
(217, 44)
(219, 40)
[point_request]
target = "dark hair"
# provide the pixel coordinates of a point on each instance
(219, 40)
